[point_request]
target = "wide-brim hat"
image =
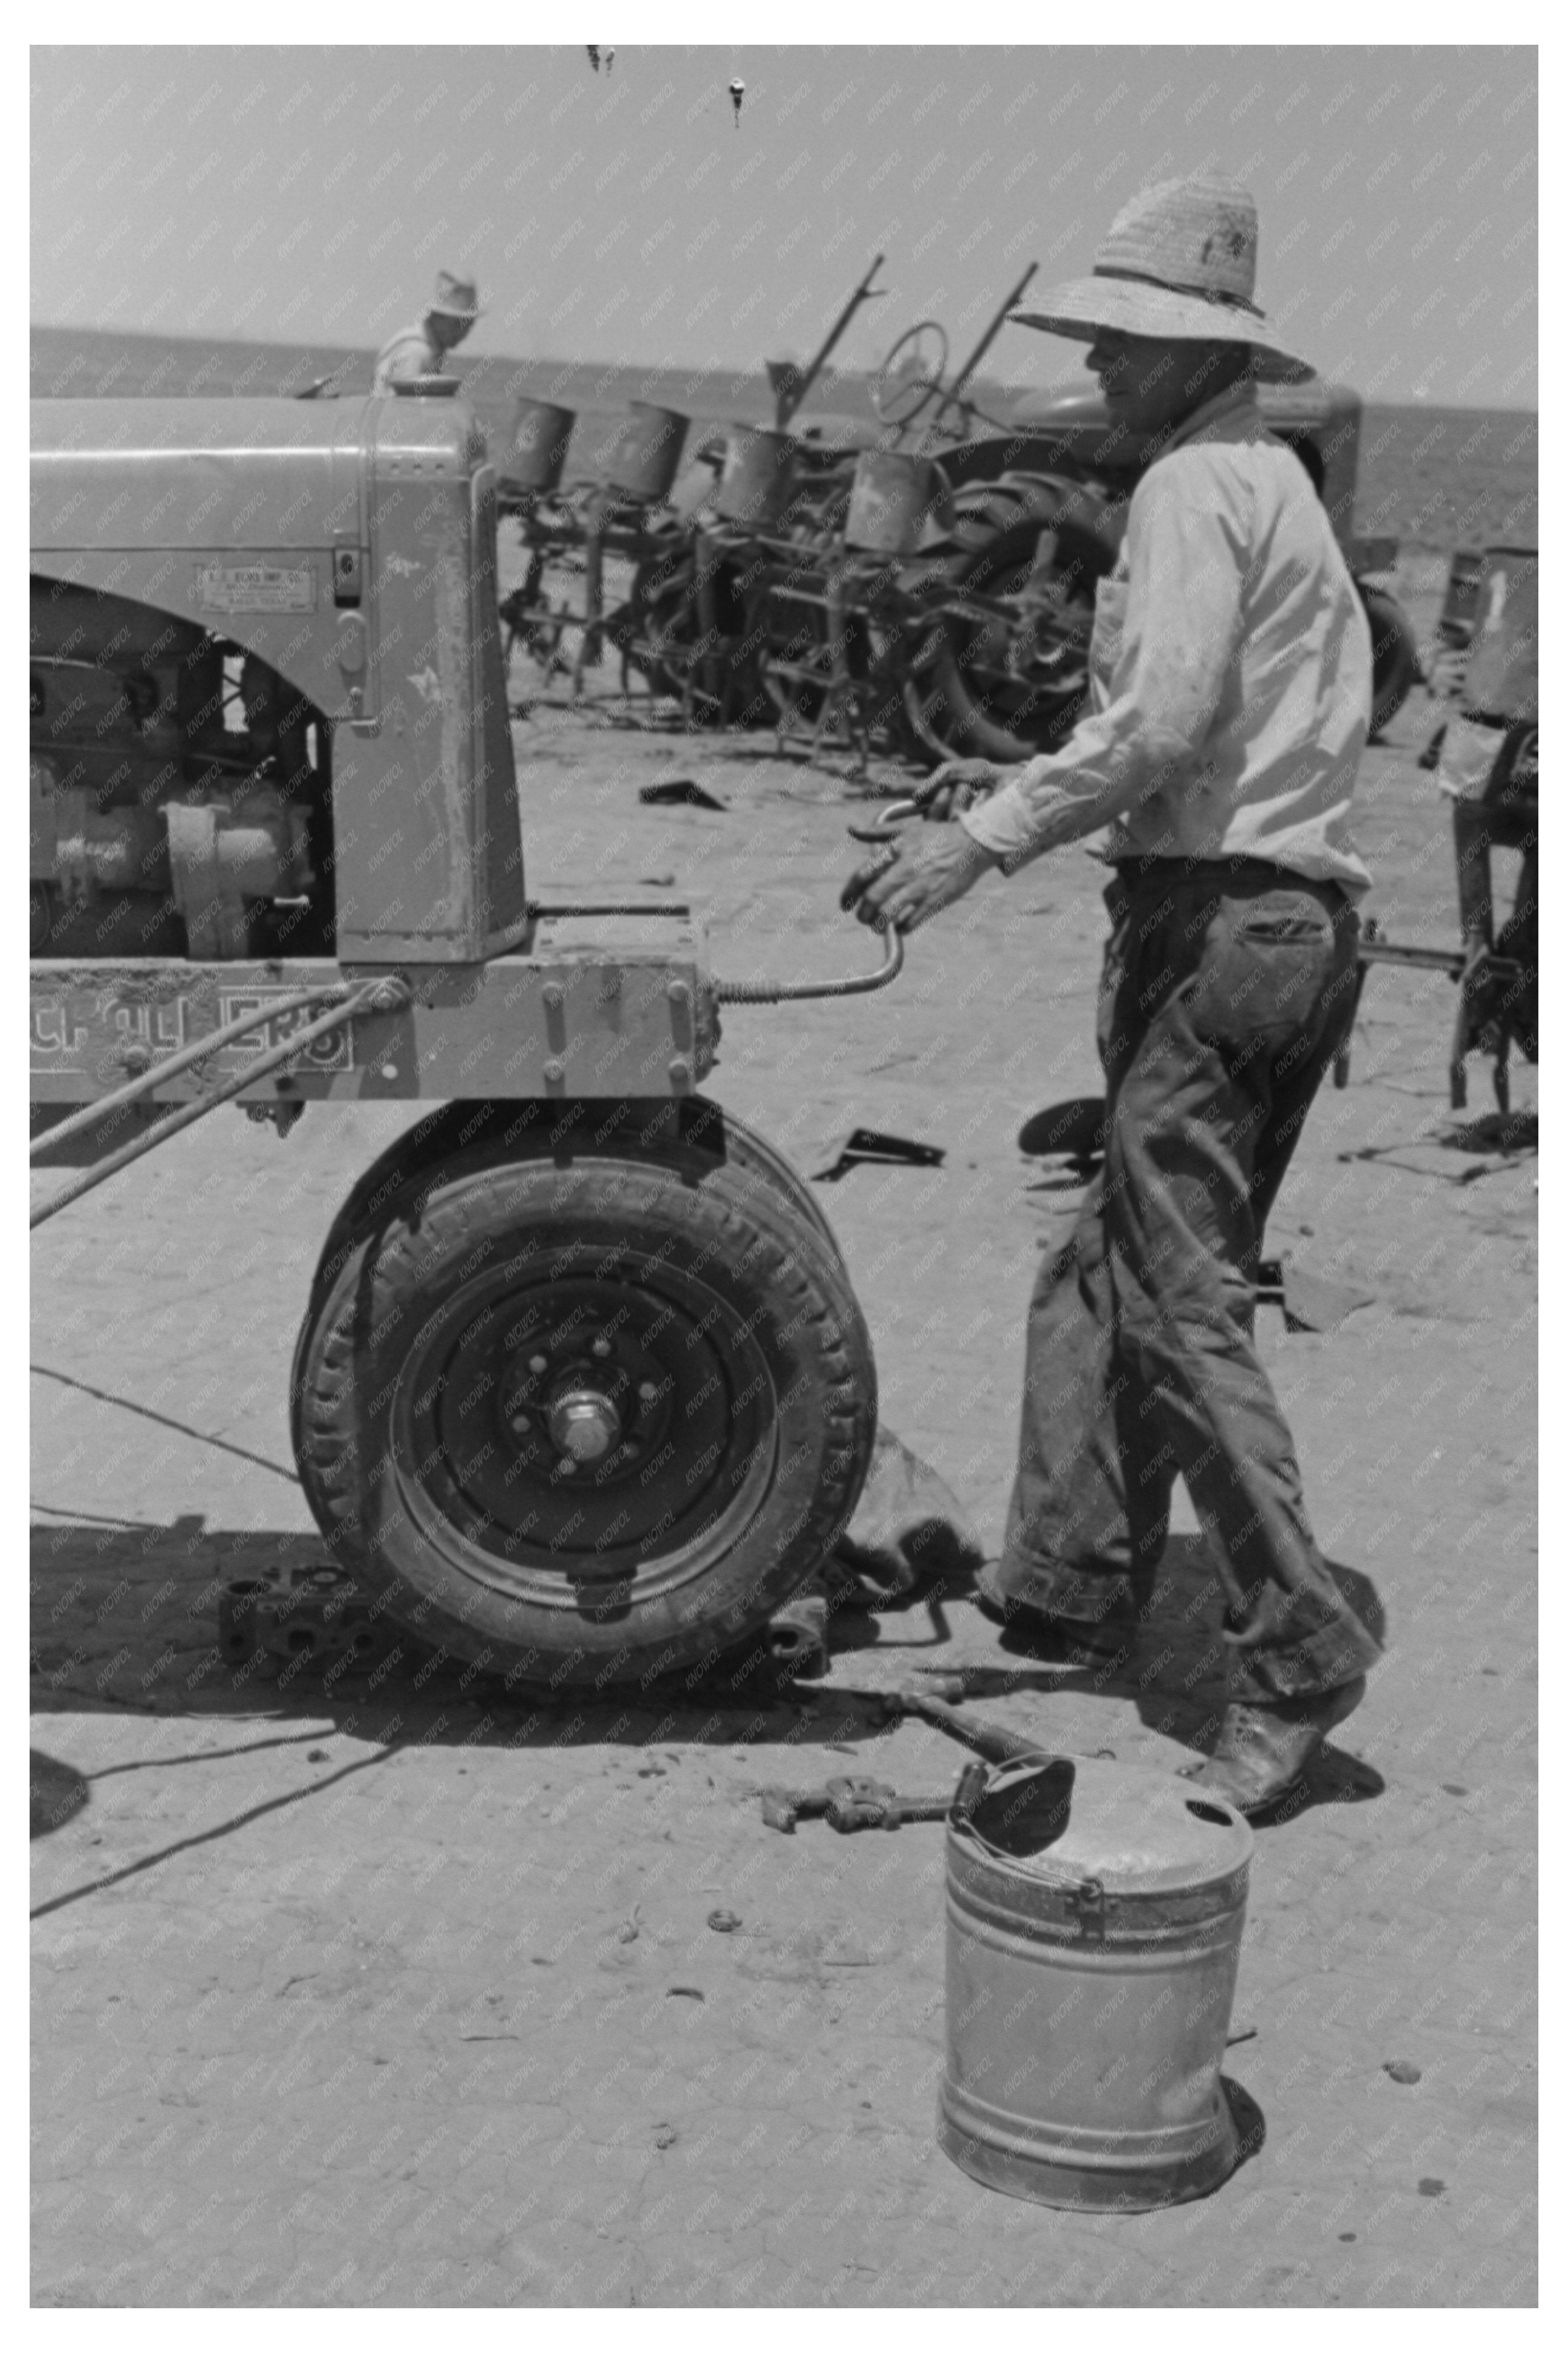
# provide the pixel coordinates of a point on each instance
(1179, 261)
(456, 298)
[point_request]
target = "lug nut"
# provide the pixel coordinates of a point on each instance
(566, 1466)
(601, 1348)
(647, 1391)
(538, 1363)
(519, 1421)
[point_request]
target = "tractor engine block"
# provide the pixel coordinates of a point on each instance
(177, 804)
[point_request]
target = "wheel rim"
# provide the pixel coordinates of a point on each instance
(1026, 667)
(637, 1375)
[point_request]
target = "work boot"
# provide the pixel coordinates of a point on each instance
(1263, 1747)
(1087, 1640)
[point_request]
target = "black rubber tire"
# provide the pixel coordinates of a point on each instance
(692, 1135)
(1395, 659)
(759, 1443)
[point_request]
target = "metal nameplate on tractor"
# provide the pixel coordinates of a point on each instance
(56, 1037)
(70, 1031)
(256, 588)
(333, 1052)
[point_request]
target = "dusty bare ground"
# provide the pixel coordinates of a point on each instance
(402, 1991)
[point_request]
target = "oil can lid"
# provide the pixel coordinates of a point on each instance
(1090, 1819)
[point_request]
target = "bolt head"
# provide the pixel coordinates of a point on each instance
(566, 1466)
(538, 1363)
(647, 1391)
(601, 1348)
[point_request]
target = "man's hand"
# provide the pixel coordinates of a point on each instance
(956, 787)
(917, 882)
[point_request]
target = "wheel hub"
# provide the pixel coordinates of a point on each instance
(583, 1424)
(627, 1423)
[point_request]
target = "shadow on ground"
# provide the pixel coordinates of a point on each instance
(125, 1622)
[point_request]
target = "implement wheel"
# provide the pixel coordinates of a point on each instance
(589, 1409)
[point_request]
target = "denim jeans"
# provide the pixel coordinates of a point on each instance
(1227, 988)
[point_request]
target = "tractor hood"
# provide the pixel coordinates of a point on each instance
(224, 473)
(1080, 415)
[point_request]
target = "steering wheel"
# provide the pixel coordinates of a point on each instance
(911, 373)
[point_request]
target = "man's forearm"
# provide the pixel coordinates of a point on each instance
(1062, 796)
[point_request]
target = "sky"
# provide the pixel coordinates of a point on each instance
(311, 194)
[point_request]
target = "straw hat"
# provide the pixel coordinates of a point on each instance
(456, 298)
(1180, 261)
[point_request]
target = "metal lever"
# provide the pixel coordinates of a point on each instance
(880, 828)
(782, 992)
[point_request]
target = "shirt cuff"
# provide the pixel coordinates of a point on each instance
(1002, 823)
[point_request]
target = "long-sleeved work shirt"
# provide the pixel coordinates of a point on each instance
(410, 352)
(1230, 672)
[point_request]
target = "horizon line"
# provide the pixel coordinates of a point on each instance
(674, 367)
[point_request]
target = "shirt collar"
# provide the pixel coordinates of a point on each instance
(1231, 415)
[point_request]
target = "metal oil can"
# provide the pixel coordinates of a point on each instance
(645, 456)
(890, 500)
(758, 478)
(536, 454)
(1094, 1921)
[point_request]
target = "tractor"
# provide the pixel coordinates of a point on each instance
(582, 1388)
(928, 581)
(923, 580)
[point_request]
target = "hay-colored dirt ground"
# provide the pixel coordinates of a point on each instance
(403, 1992)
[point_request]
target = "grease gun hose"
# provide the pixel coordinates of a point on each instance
(380, 997)
(788, 992)
(145, 1082)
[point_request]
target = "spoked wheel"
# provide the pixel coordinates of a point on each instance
(593, 1406)
(1001, 670)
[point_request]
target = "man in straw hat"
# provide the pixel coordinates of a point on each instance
(420, 350)
(1231, 667)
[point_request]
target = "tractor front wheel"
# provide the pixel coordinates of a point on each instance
(590, 1417)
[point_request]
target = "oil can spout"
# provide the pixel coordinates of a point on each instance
(782, 992)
